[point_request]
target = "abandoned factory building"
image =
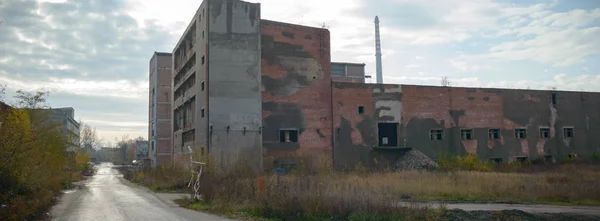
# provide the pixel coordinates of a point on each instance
(260, 90)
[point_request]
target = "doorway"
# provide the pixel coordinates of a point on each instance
(388, 134)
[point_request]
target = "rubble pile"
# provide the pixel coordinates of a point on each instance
(414, 160)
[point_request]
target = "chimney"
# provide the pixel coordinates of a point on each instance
(378, 52)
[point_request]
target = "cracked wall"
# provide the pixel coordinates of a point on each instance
(296, 89)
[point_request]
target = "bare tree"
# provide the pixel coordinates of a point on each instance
(88, 135)
(2, 91)
(446, 82)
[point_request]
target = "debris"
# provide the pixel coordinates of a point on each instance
(414, 160)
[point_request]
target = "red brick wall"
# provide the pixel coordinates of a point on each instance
(296, 74)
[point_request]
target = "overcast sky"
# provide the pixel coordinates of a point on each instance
(93, 54)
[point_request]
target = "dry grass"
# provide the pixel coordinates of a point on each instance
(311, 194)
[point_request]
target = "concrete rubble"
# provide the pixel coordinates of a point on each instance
(414, 160)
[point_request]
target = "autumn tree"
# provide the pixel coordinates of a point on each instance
(32, 156)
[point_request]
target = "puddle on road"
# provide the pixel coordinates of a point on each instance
(69, 191)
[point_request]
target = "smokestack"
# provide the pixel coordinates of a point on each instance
(378, 52)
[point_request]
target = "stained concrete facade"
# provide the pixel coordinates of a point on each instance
(159, 110)
(217, 98)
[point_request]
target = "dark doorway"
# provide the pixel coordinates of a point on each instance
(388, 134)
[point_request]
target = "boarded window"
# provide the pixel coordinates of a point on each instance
(288, 136)
(466, 134)
(521, 133)
(437, 134)
(494, 134)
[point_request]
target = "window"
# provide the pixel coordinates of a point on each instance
(338, 70)
(202, 34)
(202, 86)
(436, 134)
(521, 133)
(466, 134)
(553, 98)
(288, 136)
(202, 59)
(202, 113)
(544, 132)
(568, 132)
(494, 134)
(361, 109)
(496, 160)
(522, 159)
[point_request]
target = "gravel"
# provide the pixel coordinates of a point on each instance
(414, 160)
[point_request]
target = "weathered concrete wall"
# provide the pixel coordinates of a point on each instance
(234, 107)
(452, 109)
(190, 126)
(296, 89)
(356, 132)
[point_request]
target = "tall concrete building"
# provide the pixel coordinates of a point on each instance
(160, 112)
(216, 83)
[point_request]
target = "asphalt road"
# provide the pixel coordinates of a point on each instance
(107, 196)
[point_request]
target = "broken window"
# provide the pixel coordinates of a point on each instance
(202, 86)
(466, 134)
(202, 59)
(437, 134)
(361, 110)
(522, 159)
(567, 132)
(521, 133)
(544, 132)
(288, 136)
(494, 134)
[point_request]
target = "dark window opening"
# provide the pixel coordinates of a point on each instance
(285, 163)
(202, 59)
(288, 136)
(496, 160)
(388, 134)
(567, 132)
(466, 134)
(521, 133)
(554, 98)
(522, 159)
(494, 134)
(361, 110)
(202, 113)
(202, 34)
(436, 134)
(544, 132)
(202, 86)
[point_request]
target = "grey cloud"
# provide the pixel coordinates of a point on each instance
(406, 15)
(95, 38)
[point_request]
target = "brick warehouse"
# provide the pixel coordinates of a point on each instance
(223, 108)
